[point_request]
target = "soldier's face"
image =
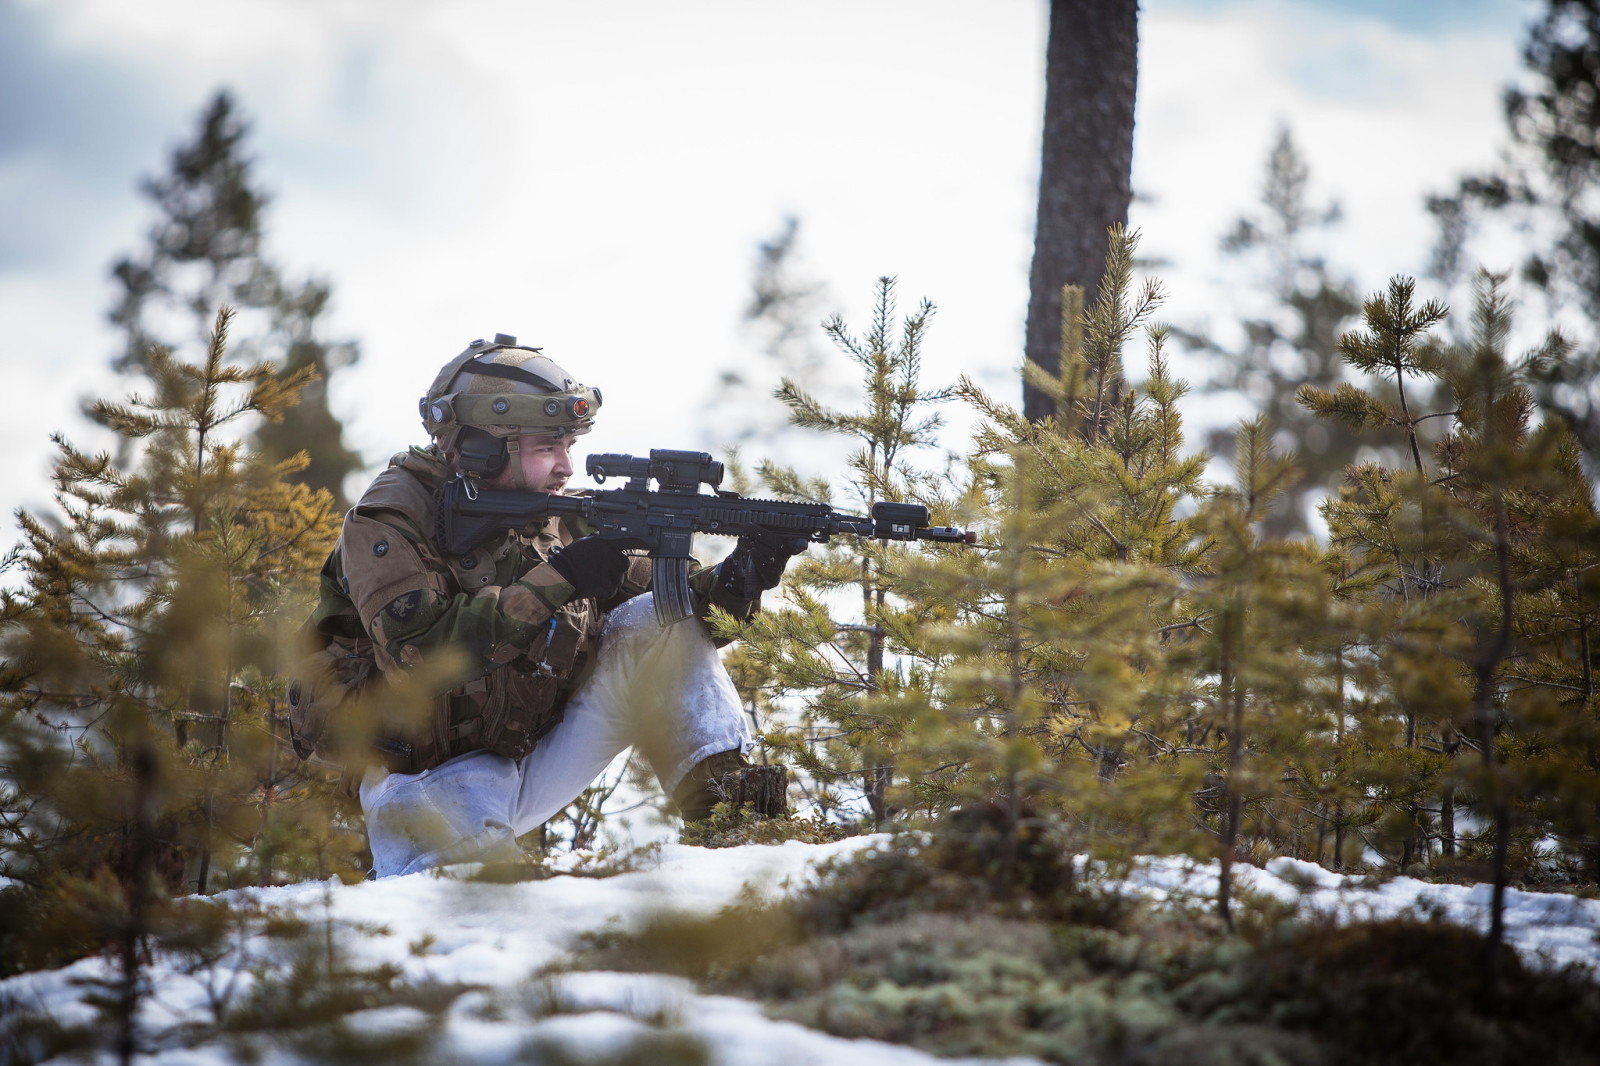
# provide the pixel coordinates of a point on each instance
(546, 463)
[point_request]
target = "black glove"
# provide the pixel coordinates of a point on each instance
(592, 566)
(756, 564)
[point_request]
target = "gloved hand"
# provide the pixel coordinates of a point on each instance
(592, 566)
(756, 564)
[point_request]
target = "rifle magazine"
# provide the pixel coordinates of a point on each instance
(670, 585)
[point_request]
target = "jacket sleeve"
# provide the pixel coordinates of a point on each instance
(406, 599)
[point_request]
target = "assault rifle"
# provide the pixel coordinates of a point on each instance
(663, 521)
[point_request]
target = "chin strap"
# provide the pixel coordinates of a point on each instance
(514, 461)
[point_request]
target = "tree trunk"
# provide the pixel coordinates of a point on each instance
(1086, 161)
(1231, 699)
(875, 779)
(1447, 821)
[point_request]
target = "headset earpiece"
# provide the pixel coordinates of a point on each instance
(480, 453)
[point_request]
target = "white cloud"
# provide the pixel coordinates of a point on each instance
(1383, 117)
(594, 177)
(50, 370)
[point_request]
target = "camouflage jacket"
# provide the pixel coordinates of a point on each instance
(475, 651)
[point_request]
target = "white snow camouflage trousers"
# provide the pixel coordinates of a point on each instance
(661, 689)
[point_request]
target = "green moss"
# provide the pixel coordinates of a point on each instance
(915, 944)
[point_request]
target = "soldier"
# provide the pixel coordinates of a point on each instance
(566, 665)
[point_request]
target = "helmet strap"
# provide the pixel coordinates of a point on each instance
(514, 461)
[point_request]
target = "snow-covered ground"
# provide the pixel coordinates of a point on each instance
(499, 936)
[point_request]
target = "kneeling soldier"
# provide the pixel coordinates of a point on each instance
(566, 665)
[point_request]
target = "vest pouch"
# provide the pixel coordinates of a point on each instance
(520, 709)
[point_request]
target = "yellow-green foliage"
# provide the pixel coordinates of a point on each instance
(140, 695)
(852, 675)
(1128, 653)
(1485, 558)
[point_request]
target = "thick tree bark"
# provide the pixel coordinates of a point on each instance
(1085, 184)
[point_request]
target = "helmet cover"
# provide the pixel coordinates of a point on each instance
(506, 389)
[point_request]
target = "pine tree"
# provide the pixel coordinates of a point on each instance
(140, 692)
(829, 662)
(779, 318)
(1554, 165)
(206, 250)
(294, 343)
(1482, 546)
(1052, 681)
(1384, 531)
(1542, 192)
(1266, 602)
(1292, 339)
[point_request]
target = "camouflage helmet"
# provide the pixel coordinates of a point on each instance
(495, 391)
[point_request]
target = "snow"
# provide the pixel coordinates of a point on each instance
(504, 938)
(1547, 928)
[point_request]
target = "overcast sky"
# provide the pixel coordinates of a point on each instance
(594, 177)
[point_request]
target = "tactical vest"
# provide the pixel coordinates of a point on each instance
(507, 709)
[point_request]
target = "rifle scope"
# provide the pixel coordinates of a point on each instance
(674, 471)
